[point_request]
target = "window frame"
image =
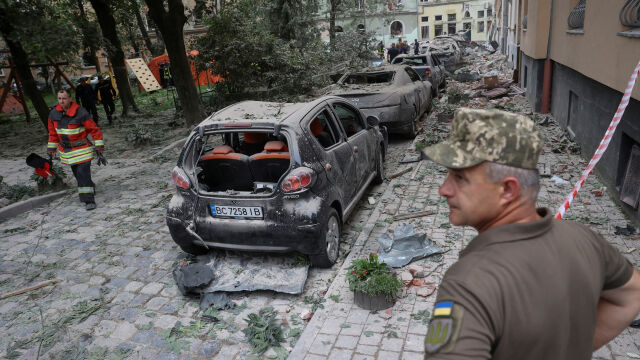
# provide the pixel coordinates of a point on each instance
(356, 112)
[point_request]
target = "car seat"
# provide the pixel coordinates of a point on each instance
(224, 169)
(323, 138)
(253, 143)
(272, 163)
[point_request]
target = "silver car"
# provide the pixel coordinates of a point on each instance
(428, 66)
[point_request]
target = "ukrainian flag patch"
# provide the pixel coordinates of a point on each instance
(443, 308)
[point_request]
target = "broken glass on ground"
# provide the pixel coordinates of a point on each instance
(405, 246)
(229, 272)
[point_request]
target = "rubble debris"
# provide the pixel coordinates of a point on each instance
(410, 158)
(598, 193)
(625, 231)
(386, 315)
(544, 168)
(218, 299)
(371, 200)
(465, 76)
(405, 247)
(426, 290)
(400, 173)
(192, 277)
(495, 93)
(491, 81)
(306, 316)
(559, 180)
(413, 215)
(30, 288)
(406, 277)
(417, 272)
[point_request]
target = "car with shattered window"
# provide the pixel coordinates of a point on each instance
(275, 177)
(446, 49)
(428, 66)
(395, 94)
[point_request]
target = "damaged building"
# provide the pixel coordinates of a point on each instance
(575, 59)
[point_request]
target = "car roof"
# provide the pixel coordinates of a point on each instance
(263, 112)
(377, 69)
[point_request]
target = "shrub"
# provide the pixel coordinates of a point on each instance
(370, 276)
(139, 136)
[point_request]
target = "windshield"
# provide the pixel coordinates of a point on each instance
(369, 78)
(415, 61)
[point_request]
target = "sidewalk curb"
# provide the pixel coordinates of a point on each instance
(303, 345)
(18, 208)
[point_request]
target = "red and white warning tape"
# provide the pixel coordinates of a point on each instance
(603, 144)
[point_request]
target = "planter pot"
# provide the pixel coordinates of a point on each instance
(369, 302)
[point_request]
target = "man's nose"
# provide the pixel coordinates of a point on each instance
(445, 188)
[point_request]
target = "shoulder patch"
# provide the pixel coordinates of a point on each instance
(444, 327)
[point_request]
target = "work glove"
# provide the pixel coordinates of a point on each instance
(101, 159)
(100, 149)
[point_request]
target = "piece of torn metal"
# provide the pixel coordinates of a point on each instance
(250, 272)
(192, 278)
(405, 247)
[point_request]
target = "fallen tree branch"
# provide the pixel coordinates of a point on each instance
(30, 288)
(402, 172)
(413, 215)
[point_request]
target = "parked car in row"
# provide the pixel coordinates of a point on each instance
(271, 177)
(396, 95)
(428, 66)
(446, 49)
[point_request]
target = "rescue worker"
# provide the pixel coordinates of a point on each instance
(107, 93)
(86, 96)
(69, 125)
(528, 286)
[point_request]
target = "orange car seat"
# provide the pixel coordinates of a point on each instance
(253, 142)
(316, 129)
(225, 169)
(272, 163)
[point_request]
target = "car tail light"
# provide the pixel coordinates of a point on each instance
(180, 178)
(300, 178)
(427, 72)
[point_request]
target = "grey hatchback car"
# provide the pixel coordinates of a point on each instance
(275, 177)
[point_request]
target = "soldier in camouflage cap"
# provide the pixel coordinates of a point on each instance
(519, 289)
(488, 135)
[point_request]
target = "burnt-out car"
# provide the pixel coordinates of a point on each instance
(395, 94)
(273, 177)
(429, 68)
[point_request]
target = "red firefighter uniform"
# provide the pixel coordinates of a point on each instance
(68, 131)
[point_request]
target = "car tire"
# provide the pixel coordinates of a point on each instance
(412, 132)
(379, 178)
(329, 242)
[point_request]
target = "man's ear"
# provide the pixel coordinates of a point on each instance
(510, 189)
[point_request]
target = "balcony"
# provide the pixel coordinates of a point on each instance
(576, 18)
(630, 16)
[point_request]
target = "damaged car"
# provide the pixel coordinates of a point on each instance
(275, 177)
(446, 49)
(429, 68)
(396, 95)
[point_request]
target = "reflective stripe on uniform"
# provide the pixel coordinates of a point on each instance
(70, 154)
(99, 143)
(52, 145)
(85, 190)
(70, 131)
(77, 159)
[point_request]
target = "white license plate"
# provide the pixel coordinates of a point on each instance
(249, 212)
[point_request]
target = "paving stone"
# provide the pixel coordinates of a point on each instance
(209, 348)
(392, 344)
(124, 331)
(105, 327)
(408, 355)
(374, 339)
(156, 303)
(322, 344)
(414, 343)
(165, 321)
(366, 349)
(152, 288)
(166, 356)
(315, 357)
(340, 354)
(133, 286)
(352, 329)
(143, 337)
(388, 355)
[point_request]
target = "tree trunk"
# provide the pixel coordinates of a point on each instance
(332, 23)
(132, 39)
(86, 39)
(143, 30)
(21, 62)
(171, 23)
(114, 52)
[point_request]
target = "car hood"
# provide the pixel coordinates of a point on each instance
(367, 93)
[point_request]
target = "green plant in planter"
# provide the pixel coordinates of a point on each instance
(370, 276)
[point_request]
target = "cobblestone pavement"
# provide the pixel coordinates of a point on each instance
(342, 330)
(117, 298)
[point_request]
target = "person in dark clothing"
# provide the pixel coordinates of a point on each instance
(107, 92)
(392, 52)
(86, 96)
(403, 48)
(416, 47)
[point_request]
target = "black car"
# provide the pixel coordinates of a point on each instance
(274, 177)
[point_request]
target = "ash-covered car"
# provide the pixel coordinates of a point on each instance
(429, 68)
(446, 49)
(275, 177)
(395, 94)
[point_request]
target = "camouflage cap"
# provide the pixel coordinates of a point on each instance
(488, 135)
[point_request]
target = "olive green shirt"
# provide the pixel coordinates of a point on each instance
(525, 291)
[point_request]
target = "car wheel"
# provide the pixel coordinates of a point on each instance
(379, 169)
(411, 133)
(329, 242)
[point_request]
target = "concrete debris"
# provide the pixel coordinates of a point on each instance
(219, 300)
(371, 200)
(426, 290)
(306, 316)
(416, 271)
(405, 247)
(386, 314)
(496, 93)
(192, 278)
(406, 277)
(465, 76)
(558, 180)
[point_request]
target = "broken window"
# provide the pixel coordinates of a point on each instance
(481, 26)
(425, 19)
(480, 14)
(369, 78)
(396, 28)
(88, 60)
(438, 17)
(438, 30)
(489, 13)
(451, 28)
(424, 32)
(349, 119)
(422, 60)
(451, 17)
(320, 127)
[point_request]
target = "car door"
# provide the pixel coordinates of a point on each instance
(419, 90)
(358, 138)
(333, 151)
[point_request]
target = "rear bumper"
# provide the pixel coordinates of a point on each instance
(284, 228)
(391, 117)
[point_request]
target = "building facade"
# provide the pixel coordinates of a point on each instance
(586, 50)
(442, 17)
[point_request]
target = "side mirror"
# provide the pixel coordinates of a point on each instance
(373, 121)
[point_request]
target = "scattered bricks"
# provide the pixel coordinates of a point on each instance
(406, 277)
(306, 316)
(416, 271)
(417, 282)
(386, 314)
(598, 193)
(426, 290)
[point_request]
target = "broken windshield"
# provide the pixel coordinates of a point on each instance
(369, 78)
(415, 61)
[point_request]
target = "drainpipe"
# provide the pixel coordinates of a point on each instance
(505, 26)
(546, 82)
